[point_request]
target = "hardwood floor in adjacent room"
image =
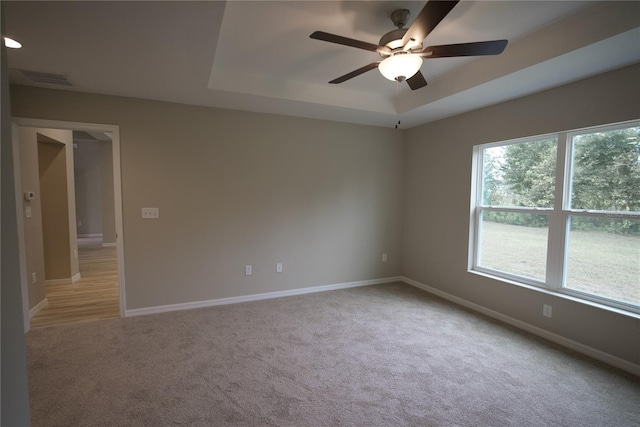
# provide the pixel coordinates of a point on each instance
(93, 297)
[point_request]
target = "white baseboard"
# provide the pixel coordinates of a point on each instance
(42, 304)
(558, 339)
(108, 244)
(90, 235)
(63, 281)
(57, 281)
(255, 297)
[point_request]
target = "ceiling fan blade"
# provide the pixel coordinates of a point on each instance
(493, 47)
(332, 38)
(416, 81)
(355, 73)
(429, 17)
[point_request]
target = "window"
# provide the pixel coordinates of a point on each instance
(562, 212)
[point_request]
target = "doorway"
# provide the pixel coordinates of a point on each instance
(97, 288)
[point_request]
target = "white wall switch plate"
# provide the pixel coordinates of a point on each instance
(33, 278)
(546, 310)
(248, 270)
(27, 211)
(75, 253)
(150, 213)
(384, 257)
(279, 267)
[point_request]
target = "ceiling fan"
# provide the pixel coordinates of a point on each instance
(402, 51)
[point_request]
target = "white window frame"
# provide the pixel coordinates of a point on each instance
(559, 216)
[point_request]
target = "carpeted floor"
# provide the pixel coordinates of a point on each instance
(387, 355)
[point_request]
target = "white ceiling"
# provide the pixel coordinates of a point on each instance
(257, 55)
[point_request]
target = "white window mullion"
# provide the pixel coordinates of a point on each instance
(557, 219)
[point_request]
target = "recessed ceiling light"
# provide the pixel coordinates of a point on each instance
(11, 43)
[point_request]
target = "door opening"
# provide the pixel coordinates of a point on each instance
(96, 288)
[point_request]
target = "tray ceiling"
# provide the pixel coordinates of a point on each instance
(257, 55)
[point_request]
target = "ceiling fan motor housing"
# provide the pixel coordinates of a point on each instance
(393, 39)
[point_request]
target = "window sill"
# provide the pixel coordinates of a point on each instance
(558, 294)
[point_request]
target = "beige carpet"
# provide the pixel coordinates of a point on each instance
(387, 355)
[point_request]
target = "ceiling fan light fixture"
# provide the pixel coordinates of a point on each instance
(400, 67)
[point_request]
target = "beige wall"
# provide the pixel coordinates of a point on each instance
(55, 209)
(436, 211)
(237, 188)
(88, 187)
(95, 208)
(30, 176)
(14, 390)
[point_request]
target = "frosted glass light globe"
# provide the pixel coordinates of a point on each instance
(400, 66)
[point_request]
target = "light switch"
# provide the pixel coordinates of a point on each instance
(150, 213)
(27, 211)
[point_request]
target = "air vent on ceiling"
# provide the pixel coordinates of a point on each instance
(48, 78)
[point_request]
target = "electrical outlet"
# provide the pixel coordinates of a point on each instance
(248, 270)
(384, 257)
(33, 278)
(279, 267)
(150, 213)
(546, 310)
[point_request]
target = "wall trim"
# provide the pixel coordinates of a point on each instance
(256, 297)
(39, 306)
(109, 244)
(90, 235)
(600, 355)
(65, 280)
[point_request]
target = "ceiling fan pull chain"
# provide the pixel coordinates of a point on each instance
(398, 102)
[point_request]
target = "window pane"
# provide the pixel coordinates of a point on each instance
(520, 174)
(604, 257)
(515, 243)
(606, 170)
